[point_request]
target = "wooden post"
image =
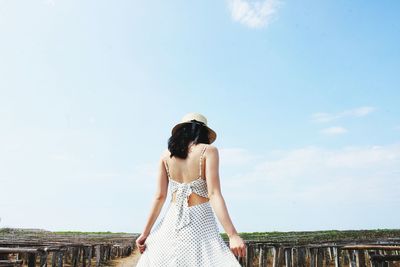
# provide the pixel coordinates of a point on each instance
(85, 256)
(330, 253)
(249, 255)
(328, 256)
(278, 256)
(261, 257)
(112, 253)
(109, 252)
(352, 258)
(346, 258)
(98, 257)
(301, 257)
(102, 253)
(336, 255)
(60, 258)
(293, 251)
(68, 255)
(274, 257)
(74, 261)
(90, 253)
(312, 257)
(80, 252)
(360, 258)
(31, 259)
(288, 257)
(320, 257)
(104, 258)
(54, 259)
(43, 258)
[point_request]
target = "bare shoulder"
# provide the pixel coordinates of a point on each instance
(211, 151)
(165, 154)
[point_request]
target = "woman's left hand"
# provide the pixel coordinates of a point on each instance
(237, 245)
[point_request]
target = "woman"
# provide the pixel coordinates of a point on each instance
(188, 233)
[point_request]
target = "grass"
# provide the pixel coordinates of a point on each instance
(88, 233)
(273, 237)
(319, 236)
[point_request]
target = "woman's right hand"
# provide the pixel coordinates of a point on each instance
(140, 242)
(237, 246)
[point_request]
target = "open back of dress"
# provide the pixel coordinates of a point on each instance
(198, 184)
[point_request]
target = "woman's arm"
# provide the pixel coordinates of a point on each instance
(218, 203)
(159, 197)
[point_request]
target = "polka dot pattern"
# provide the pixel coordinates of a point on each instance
(198, 244)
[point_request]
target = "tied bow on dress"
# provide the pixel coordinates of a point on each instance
(182, 212)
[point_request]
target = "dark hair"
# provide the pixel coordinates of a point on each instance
(193, 131)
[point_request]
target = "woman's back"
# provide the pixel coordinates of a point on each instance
(189, 169)
(188, 172)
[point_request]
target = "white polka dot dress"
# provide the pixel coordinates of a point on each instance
(187, 236)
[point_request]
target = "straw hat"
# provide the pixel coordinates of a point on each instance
(198, 117)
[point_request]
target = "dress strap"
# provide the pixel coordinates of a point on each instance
(166, 167)
(201, 158)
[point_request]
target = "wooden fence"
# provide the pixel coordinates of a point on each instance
(56, 256)
(59, 250)
(262, 254)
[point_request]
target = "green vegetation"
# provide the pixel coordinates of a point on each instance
(319, 236)
(87, 233)
(292, 237)
(44, 233)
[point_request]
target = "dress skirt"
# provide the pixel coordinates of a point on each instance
(197, 244)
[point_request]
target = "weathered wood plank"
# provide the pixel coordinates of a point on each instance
(60, 256)
(312, 257)
(90, 255)
(360, 258)
(288, 257)
(18, 250)
(11, 263)
(261, 257)
(97, 254)
(336, 254)
(382, 247)
(54, 259)
(31, 259)
(319, 257)
(43, 258)
(352, 258)
(249, 255)
(301, 257)
(279, 256)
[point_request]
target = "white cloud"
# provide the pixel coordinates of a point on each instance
(356, 174)
(254, 14)
(335, 130)
(352, 113)
(51, 2)
(235, 156)
(361, 111)
(315, 182)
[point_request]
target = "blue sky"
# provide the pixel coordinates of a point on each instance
(303, 95)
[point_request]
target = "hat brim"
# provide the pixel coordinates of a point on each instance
(212, 135)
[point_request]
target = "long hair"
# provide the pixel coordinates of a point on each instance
(193, 131)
